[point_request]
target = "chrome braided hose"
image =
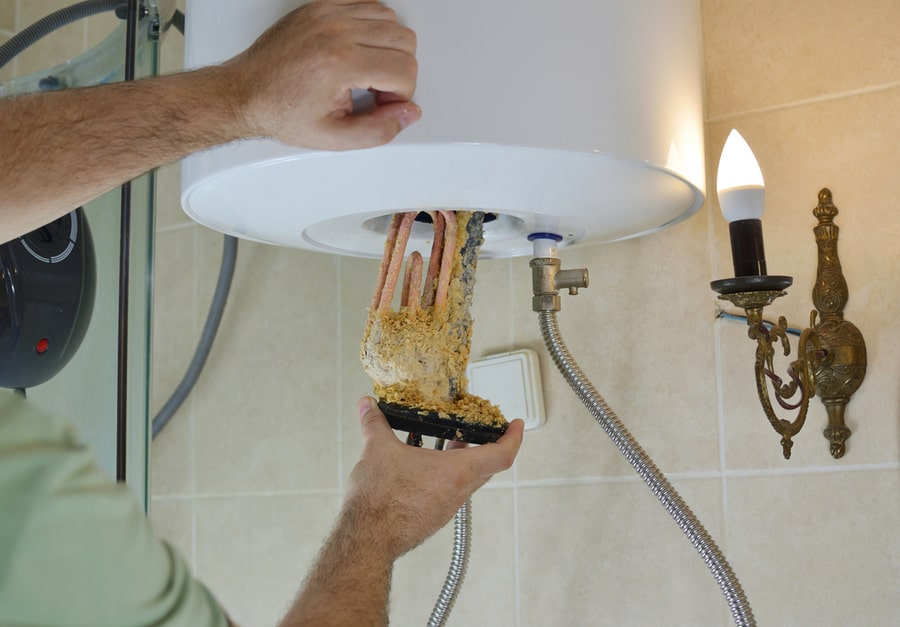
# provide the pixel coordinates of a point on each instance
(458, 564)
(647, 470)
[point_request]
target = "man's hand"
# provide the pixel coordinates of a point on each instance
(414, 491)
(64, 148)
(298, 76)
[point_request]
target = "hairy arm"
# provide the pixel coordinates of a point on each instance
(351, 581)
(59, 150)
(62, 149)
(397, 497)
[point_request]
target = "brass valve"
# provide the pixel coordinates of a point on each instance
(548, 278)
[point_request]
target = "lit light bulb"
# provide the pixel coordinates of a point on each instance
(739, 182)
(742, 198)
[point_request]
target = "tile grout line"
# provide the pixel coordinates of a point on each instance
(13, 65)
(193, 500)
(181, 226)
(247, 495)
(339, 387)
(192, 415)
(698, 475)
(863, 91)
(556, 483)
(517, 577)
(586, 481)
(17, 16)
(720, 411)
(812, 470)
(194, 551)
(712, 250)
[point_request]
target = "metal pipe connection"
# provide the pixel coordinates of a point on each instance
(547, 278)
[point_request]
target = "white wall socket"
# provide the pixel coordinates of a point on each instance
(512, 381)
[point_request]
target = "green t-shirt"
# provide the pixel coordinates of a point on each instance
(75, 548)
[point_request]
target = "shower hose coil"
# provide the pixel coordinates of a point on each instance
(647, 470)
(457, 571)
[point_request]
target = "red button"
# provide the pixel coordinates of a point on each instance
(42, 346)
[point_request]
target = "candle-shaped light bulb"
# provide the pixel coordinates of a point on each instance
(739, 181)
(741, 191)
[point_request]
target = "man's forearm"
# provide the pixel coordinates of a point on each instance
(62, 149)
(351, 580)
(59, 150)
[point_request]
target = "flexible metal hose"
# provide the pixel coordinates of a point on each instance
(458, 563)
(638, 458)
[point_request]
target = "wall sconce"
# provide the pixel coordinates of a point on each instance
(831, 354)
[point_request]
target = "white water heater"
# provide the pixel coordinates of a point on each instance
(582, 118)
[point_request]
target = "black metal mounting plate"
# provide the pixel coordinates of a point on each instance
(424, 422)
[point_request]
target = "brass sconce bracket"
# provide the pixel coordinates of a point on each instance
(831, 354)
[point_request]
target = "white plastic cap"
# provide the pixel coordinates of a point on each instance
(739, 182)
(742, 203)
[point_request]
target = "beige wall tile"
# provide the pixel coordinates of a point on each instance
(767, 53)
(492, 308)
(608, 554)
(356, 284)
(173, 521)
(265, 411)
(8, 16)
(8, 71)
(818, 549)
(851, 146)
(750, 441)
(253, 553)
(171, 53)
(208, 246)
(175, 336)
(30, 11)
(638, 333)
(99, 27)
(168, 198)
(172, 466)
(175, 325)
